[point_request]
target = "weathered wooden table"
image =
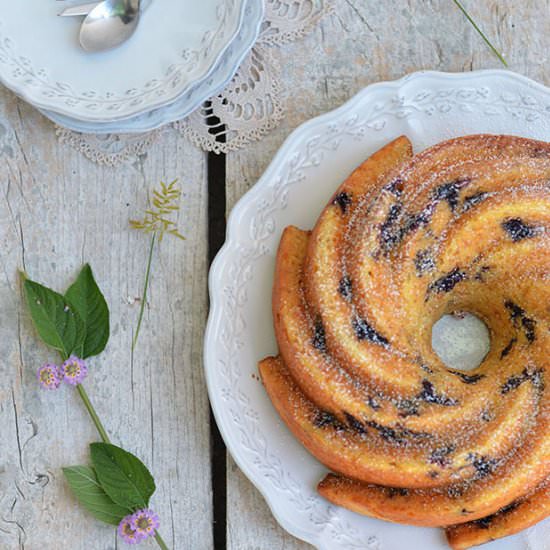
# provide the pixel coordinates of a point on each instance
(58, 210)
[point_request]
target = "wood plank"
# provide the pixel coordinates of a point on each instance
(251, 525)
(57, 211)
(362, 43)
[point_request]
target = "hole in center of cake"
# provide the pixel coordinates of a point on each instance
(461, 341)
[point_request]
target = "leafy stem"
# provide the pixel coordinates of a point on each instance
(117, 488)
(105, 438)
(93, 414)
(480, 32)
(145, 287)
(160, 542)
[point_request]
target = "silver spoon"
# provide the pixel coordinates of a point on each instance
(109, 24)
(80, 9)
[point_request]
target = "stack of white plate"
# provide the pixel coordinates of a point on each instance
(183, 52)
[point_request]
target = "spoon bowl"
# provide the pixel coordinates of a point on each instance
(109, 24)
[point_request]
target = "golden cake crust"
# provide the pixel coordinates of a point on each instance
(462, 226)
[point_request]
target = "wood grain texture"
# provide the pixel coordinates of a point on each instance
(57, 211)
(251, 525)
(362, 43)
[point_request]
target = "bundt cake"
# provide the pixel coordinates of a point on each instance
(461, 226)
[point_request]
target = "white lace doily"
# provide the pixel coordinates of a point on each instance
(249, 107)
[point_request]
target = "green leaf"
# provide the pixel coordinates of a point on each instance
(88, 300)
(55, 318)
(87, 490)
(122, 475)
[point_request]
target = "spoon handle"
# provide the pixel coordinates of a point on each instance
(82, 9)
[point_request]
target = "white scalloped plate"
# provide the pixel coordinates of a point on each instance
(428, 107)
(186, 103)
(177, 44)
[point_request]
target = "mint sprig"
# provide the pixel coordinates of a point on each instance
(55, 318)
(122, 475)
(77, 326)
(85, 296)
(88, 491)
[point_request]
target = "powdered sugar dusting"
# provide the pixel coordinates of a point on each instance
(465, 230)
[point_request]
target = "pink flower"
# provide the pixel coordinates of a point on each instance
(49, 376)
(145, 522)
(127, 531)
(74, 370)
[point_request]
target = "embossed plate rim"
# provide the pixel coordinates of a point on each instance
(328, 527)
(62, 102)
(190, 100)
